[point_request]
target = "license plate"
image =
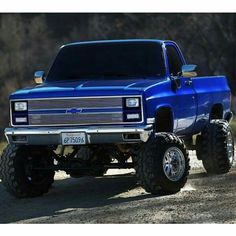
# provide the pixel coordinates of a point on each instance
(73, 138)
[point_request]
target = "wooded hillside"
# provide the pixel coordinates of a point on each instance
(29, 42)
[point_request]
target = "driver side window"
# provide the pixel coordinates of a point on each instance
(174, 61)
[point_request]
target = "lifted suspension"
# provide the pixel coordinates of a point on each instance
(79, 167)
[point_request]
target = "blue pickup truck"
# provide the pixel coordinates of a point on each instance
(133, 101)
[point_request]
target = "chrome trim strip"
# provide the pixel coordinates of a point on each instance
(97, 130)
(58, 125)
(81, 113)
(52, 109)
(11, 123)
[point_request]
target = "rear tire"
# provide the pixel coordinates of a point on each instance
(215, 147)
(162, 165)
(18, 174)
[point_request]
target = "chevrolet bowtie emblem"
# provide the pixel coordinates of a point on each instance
(74, 110)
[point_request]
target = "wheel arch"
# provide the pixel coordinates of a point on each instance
(164, 119)
(216, 112)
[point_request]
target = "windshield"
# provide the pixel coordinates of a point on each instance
(81, 61)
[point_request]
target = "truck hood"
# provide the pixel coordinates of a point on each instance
(88, 88)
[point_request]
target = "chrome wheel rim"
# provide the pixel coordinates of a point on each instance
(230, 147)
(174, 163)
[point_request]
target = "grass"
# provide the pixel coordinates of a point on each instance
(232, 124)
(2, 146)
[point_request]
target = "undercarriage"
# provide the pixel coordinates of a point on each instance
(92, 160)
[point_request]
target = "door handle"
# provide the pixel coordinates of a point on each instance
(188, 82)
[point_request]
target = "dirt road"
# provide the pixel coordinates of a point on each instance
(116, 198)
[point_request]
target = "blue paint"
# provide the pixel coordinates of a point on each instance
(190, 104)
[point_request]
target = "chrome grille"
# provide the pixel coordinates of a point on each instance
(97, 110)
(75, 102)
(70, 119)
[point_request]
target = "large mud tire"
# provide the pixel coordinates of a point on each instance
(151, 166)
(215, 147)
(17, 172)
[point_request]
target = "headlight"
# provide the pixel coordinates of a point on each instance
(20, 106)
(132, 102)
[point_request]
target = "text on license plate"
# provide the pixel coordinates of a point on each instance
(73, 138)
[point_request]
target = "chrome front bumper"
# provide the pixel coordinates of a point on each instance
(94, 135)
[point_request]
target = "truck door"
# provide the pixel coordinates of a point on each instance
(185, 104)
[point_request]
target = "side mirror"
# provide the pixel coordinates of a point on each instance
(39, 77)
(189, 71)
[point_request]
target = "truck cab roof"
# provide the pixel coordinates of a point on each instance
(118, 41)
